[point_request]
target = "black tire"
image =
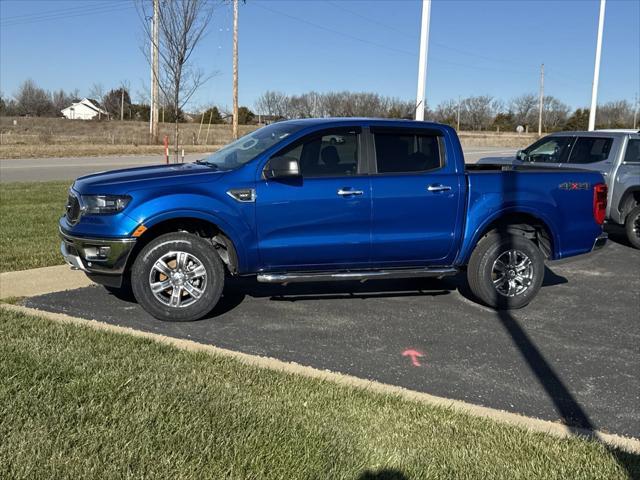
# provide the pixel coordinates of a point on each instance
(197, 252)
(481, 274)
(632, 227)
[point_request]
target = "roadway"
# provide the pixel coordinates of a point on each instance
(67, 168)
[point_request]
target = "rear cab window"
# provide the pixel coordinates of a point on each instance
(407, 151)
(590, 150)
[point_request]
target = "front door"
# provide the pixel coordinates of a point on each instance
(416, 199)
(320, 220)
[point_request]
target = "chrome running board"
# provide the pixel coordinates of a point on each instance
(360, 275)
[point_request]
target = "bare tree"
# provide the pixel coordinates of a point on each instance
(478, 112)
(447, 112)
(524, 109)
(182, 24)
(60, 100)
(33, 100)
(616, 114)
(554, 113)
(273, 103)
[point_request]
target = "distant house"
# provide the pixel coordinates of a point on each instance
(85, 109)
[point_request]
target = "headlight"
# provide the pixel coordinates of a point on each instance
(104, 204)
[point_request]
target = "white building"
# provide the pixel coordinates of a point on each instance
(85, 109)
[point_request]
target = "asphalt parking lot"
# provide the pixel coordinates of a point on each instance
(572, 356)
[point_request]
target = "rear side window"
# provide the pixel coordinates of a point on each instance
(633, 151)
(590, 150)
(406, 152)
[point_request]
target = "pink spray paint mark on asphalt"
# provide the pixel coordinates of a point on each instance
(414, 354)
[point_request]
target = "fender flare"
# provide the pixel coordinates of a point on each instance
(224, 226)
(480, 229)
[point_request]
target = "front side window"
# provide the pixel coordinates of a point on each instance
(406, 152)
(633, 151)
(549, 150)
(248, 147)
(332, 154)
(591, 150)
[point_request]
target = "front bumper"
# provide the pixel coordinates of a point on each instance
(96, 256)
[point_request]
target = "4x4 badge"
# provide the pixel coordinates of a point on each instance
(575, 186)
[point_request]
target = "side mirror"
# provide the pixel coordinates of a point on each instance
(282, 167)
(520, 155)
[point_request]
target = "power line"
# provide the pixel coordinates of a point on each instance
(331, 30)
(62, 16)
(57, 11)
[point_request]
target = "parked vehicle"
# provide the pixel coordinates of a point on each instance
(284, 204)
(614, 153)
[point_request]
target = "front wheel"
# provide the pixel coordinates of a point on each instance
(505, 270)
(178, 277)
(632, 227)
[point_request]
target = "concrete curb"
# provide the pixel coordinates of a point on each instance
(39, 281)
(630, 445)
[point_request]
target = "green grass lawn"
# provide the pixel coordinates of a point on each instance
(29, 214)
(81, 403)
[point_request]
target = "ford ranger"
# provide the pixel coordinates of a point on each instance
(286, 203)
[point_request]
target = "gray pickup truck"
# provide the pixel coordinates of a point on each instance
(614, 153)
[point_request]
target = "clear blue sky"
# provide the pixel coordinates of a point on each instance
(476, 47)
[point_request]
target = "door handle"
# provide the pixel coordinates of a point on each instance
(343, 192)
(438, 188)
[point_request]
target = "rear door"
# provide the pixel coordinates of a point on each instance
(415, 198)
(592, 153)
(322, 219)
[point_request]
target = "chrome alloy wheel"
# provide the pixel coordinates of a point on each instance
(178, 279)
(512, 273)
(636, 226)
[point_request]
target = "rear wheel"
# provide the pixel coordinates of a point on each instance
(505, 270)
(632, 227)
(178, 277)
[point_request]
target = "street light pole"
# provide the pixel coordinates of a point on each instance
(422, 62)
(596, 70)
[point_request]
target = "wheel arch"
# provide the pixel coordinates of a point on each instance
(630, 198)
(223, 241)
(521, 222)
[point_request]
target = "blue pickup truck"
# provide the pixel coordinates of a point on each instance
(319, 200)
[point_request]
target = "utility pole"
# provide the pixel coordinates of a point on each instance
(155, 87)
(541, 105)
(458, 119)
(422, 61)
(121, 104)
(235, 69)
(635, 113)
(596, 70)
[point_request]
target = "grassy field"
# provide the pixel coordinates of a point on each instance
(80, 403)
(59, 137)
(29, 214)
(54, 137)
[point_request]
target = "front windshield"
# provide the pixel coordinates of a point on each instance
(250, 146)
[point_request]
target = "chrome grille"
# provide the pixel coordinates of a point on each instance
(73, 209)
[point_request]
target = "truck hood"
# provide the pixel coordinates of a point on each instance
(125, 180)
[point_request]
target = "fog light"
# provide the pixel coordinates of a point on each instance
(97, 252)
